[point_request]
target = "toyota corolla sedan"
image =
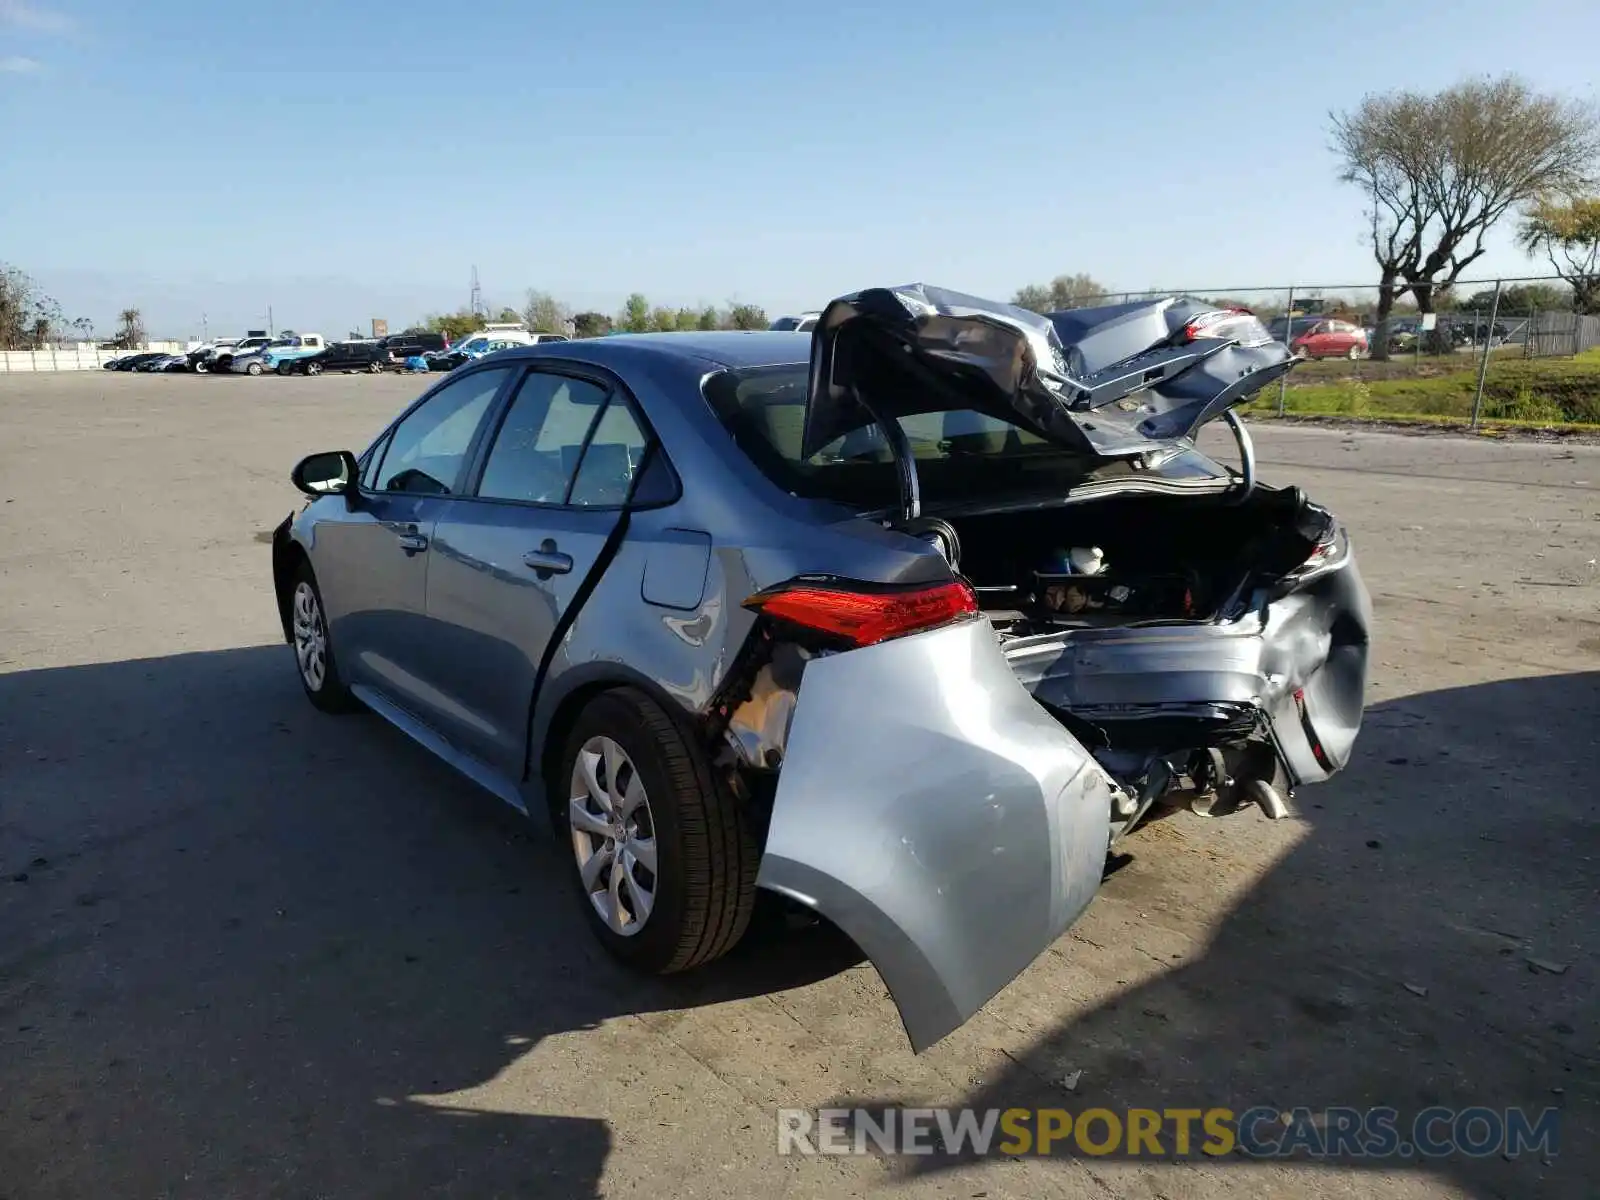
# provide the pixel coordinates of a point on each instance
(906, 620)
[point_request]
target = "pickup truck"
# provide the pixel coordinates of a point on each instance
(284, 350)
(219, 358)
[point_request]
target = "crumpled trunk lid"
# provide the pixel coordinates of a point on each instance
(1109, 382)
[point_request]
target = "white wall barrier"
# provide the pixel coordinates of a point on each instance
(72, 358)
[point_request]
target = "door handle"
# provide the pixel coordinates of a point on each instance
(411, 540)
(547, 560)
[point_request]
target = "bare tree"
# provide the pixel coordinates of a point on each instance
(545, 314)
(130, 328)
(1439, 171)
(28, 317)
(1567, 232)
(1064, 291)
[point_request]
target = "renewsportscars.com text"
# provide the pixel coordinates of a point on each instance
(1258, 1132)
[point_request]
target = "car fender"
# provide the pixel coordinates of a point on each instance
(935, 813)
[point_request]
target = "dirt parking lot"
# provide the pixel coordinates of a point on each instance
(247, 950)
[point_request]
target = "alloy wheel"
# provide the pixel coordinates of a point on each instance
(613, 835)
(310, 637)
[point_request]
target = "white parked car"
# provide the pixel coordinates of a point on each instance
(221, 358)
(804, 323)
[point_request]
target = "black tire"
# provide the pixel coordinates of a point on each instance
(284, 369)
(311, 369)
(705, 885)
(375, 367)
(329, 692)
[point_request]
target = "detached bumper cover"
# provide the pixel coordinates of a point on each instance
(935, 813)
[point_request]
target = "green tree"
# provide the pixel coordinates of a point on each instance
(1437, 172)
(747, 316)
(635, 316)
(1520, 298)
(508, 315)
(544, 313)
(663, 320)
(687, 319)
(590, 324)
(454, 326)
(710, 318)
(1567, 232)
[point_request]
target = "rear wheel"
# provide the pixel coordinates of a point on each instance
(313, 649)
(284, 368)
(1353, 353)
(253, 369)
(375, 367)
(313, 368)
(663, 859)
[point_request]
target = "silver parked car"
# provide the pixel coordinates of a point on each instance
(905, 621)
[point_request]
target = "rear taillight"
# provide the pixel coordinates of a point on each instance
(863, 615)
(1237, 324)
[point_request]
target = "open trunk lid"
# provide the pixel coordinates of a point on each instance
(1111, 382)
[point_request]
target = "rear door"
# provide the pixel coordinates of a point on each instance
(509, 559)
(372, 558)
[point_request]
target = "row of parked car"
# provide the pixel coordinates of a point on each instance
(290, 353)
(1318, 336)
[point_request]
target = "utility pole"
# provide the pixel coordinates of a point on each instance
(475, 301)
(270, 331)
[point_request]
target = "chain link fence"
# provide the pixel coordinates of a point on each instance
(1506, 350)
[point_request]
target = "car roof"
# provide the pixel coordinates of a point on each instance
(721, 348)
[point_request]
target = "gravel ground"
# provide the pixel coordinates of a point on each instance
(248, 950)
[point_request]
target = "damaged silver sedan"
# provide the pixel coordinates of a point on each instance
(907, 620)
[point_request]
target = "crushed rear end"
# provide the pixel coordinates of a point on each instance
(949, 760)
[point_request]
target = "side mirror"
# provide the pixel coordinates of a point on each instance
(331, 473)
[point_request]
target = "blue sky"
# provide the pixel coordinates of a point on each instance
(339, 161)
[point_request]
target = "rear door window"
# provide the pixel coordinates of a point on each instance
(564, 440)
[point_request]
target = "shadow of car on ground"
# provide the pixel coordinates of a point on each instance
(247, 944)
(255, 949)
(1428, 941)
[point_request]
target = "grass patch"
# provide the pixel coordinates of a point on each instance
(1537, 392)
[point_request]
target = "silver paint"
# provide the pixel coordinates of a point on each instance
(930, 809)
(925, 802)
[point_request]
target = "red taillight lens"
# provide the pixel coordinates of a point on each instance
(1240, 324)
(866, 617)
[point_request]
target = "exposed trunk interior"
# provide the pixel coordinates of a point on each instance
(1160, 558)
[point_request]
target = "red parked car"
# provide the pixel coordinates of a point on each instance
(1321, 337)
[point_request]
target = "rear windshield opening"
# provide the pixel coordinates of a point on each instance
(962, 456)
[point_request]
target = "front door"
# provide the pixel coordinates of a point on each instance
(372, 558)
(509, 560)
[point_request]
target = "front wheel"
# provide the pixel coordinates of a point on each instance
(313, 648)
(253, 369)
(285, 369)
(313, 369)
(375, 368)
(201, 368)
(663, 858)
(1353, 353)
